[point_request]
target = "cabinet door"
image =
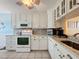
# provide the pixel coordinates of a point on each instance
(43, 43)
(77, 2)
(35, 44)
(13, 20)
(43, 20)
(11, 43)
(51, 48)
(18, 19)
(14, 42)
(35, 20)
(70, 54)
(51, 18)
(29, 20)
(58, 54)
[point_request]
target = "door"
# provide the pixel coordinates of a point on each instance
(35, 43)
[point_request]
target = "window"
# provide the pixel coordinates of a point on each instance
(5, 24)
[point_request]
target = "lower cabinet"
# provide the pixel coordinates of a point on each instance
(58, 51)
(39, 43)
(51, 48)
(35, 43)
(58, 54)
(43, 43)
(11, 42)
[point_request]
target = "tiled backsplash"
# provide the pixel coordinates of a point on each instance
(39, 31)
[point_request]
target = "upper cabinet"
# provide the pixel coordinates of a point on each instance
(40, 20)
(23, 20)
(43, 20)
(31, 20)
(66, 8)
(63, 7)
(51, 18)
(35, 19)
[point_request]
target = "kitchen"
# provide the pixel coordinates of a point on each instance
(45, 30)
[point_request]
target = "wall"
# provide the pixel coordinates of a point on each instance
(60, 23)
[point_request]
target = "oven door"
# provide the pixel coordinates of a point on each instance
(23, 41)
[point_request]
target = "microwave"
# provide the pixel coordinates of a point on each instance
(27, 24)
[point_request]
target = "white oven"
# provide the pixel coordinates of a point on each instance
(23, 43)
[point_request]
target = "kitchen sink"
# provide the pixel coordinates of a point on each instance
(71, 44)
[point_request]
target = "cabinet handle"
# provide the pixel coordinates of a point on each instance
(69, 56)
(57, 49)
(55, 44)
(34, 39)
(63, 56)
(60, 56)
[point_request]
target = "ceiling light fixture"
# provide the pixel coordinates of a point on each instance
(29, 3)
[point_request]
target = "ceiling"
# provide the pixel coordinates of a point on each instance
(11, 5)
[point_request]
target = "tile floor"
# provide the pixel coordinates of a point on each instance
(31, 55)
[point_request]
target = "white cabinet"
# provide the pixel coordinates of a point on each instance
(71, 55)
(35, 43)
(51, 48)
(43, 43)
(59, 51)
(77, 1)
(40, 20)
(50, 18)
(35, 20)
(43, 20)
(39, 43)
(11, 42)
(66, 8)
(18, 19)
(55, 49)
(22, 18)
(73, 3)
(68, 53)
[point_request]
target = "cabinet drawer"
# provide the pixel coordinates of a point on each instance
(22, 49)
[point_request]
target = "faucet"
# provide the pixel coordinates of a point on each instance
(76, 34)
